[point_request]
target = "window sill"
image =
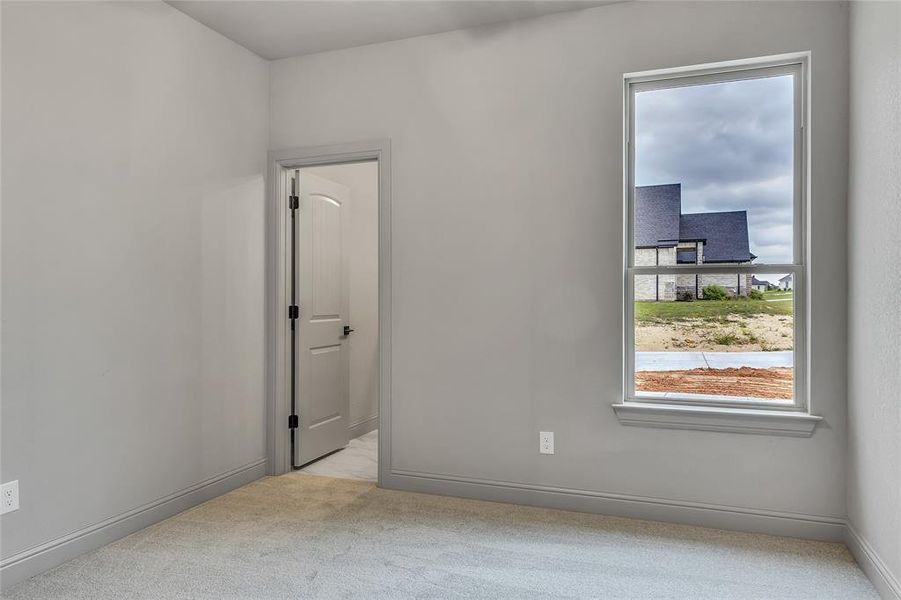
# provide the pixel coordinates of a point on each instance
(713, 418)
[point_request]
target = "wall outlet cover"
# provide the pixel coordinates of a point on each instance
(546, 442)
(9, 497)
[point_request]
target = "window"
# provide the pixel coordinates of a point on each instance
(715, 254)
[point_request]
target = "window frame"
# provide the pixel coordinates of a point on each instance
(797, 65)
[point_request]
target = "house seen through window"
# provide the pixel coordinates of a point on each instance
(716, 226)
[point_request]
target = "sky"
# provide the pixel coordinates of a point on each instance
(730, 146)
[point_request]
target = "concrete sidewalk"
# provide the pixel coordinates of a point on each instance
(680, 361)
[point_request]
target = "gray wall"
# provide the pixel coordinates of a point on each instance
(363, 249)
(134, 144)
(874, 379)
(507, 238)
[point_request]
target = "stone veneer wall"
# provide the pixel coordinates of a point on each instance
(730, 281)
(645, 284)
(665, 287)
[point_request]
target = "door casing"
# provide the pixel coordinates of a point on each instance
(278, 446)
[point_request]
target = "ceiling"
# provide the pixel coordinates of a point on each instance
(279, 29)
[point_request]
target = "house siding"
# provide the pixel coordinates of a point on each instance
(655, 287)
(666, 287)
(735, 284)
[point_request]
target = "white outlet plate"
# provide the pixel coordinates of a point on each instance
(546, 442)
(9, 497)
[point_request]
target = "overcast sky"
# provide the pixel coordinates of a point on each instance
(730, 146)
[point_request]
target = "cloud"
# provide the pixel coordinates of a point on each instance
(730, 146)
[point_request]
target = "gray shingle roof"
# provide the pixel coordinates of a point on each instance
(657, 209)
(659, 222)
(725, 235)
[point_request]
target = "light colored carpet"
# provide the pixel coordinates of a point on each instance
(359, 460)
(304, 536)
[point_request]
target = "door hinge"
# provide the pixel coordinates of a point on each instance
(293, 311)
(293, 422)
(293, 202)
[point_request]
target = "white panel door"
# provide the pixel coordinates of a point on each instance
(323, 367)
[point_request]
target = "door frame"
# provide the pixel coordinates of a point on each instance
(277, 339)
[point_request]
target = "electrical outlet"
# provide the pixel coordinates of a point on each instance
(546, 442)
(9, 497)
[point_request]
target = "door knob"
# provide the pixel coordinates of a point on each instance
(347, 330)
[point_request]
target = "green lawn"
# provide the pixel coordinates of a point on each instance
(710, 310)
(777, 295)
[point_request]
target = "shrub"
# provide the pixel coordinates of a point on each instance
(756, 295)
(726, 339)
(684, 296)
(715, 292)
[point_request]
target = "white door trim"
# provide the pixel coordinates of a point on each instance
(278, 447)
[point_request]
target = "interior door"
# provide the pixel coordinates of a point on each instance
(323, 375)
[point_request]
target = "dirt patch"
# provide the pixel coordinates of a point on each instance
(738, 333)
(773, 383)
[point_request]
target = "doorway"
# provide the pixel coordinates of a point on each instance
(329, 360)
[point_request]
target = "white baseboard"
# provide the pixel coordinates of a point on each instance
(363, 427)
(872, 564)
(813, 527)
(35, 560)
(38, 559)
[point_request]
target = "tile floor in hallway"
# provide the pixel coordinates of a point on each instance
(359, 460)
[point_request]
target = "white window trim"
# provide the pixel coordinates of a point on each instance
(738, 415)
(715, 418)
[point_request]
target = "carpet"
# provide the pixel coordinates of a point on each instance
(305, 536)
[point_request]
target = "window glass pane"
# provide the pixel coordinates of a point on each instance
(716, 336)
(714, 173)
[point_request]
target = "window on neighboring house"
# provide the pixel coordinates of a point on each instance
(715, 250)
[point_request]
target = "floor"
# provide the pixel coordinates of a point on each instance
(305, 536)
(359, 460)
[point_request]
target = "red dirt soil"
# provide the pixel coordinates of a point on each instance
(774, 383)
